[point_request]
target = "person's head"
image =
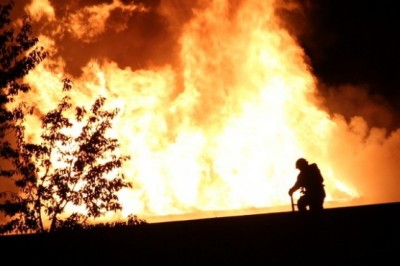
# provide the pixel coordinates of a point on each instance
(301, 163)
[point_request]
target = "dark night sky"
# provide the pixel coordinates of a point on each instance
(358, 41)
(355, 42)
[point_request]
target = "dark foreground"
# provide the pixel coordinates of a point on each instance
(361, 235)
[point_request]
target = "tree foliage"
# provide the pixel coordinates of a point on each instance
(19, 54)
(64, 170)
(66, 178)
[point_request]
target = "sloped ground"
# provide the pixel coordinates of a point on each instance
(339, 236)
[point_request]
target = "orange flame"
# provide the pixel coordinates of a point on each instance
(221, 131)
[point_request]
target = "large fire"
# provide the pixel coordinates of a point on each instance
(220, 127)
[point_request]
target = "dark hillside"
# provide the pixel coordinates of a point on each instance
(339, 236)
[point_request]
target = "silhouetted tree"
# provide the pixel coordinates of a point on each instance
(18, 55)
(63, 170)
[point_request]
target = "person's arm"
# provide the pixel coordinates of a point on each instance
(295, 187)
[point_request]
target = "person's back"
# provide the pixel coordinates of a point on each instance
(313, 180)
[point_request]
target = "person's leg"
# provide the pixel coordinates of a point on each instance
(317, 205)
(302, 204)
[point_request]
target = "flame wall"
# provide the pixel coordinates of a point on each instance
(217, 103)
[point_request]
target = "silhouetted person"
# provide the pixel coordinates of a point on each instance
(311, 183)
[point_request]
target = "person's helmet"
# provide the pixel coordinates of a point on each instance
(301, 163)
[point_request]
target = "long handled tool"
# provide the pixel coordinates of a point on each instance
(291, 199)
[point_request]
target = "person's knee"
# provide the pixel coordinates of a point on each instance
(302, 204)
(302, 208)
